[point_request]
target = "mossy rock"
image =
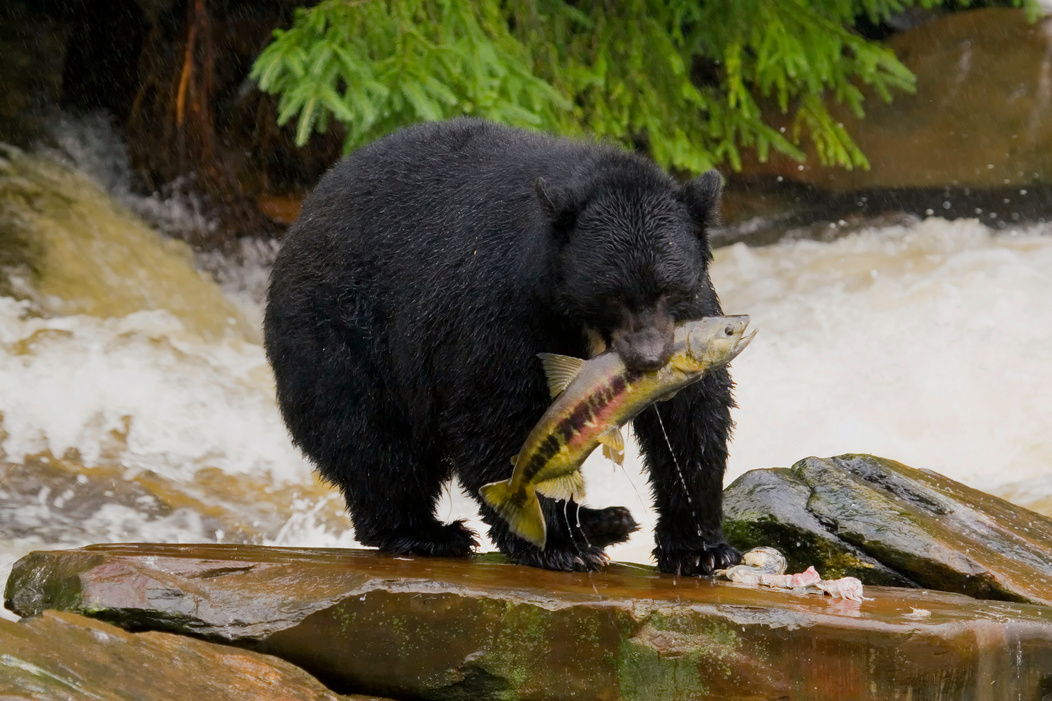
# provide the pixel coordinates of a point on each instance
(887, 523)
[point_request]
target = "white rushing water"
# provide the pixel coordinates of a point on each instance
(928, 344)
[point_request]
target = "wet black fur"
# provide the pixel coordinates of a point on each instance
(409, 302)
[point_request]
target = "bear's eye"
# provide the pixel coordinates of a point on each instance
(620, 304)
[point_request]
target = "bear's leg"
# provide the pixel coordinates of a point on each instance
(684, 443)
(577, 535)
(394, 509)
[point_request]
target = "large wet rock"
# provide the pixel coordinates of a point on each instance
(66, 656)
(482, 629)
(981, 116)
(887, 523)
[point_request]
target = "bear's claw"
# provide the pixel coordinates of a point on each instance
(583, 560)
(700, 560)
(444, 540)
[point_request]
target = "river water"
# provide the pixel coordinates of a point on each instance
(136, 403)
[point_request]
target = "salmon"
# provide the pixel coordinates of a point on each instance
(592, 400)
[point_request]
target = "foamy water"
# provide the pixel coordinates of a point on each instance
(177, 403)
(931, 345)
(928, 344)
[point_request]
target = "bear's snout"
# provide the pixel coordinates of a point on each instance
(644, 341)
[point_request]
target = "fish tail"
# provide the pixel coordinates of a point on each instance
(520, 508)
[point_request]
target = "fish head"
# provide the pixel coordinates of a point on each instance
(714, 341)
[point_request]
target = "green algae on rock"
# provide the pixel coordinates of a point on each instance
(65, 656)
(769, 507)
(402, 627)
(886, 523)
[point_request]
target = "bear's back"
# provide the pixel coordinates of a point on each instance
(463, 174)
(438, 231)
(438, 209)
(423, 233)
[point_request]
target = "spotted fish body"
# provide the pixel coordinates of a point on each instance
(592, 400)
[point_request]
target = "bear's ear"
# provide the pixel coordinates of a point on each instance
(702, 197)
(559, 205)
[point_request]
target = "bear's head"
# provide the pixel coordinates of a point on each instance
(632, 256)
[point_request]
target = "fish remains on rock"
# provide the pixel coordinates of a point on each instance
(765, 567)
(593, 399)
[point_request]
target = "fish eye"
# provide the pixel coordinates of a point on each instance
(729, 330)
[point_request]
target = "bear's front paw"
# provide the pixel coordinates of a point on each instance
(700, 560)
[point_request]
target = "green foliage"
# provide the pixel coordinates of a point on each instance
(376, 66)
(684, 77)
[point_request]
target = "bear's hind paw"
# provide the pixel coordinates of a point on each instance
(603, 527)
(444, 540)
(584, 559)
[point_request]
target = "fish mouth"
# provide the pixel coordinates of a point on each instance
(745, 341)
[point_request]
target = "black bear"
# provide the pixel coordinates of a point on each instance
(409, 302)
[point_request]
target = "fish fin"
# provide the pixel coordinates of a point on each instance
(515, 460)
(613, 439)
(613, 445)
(523, 514)
(669, 396)
(618, 456)
(565, 486)
(683, 365)
(560, 371)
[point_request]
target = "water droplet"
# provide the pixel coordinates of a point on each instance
(679, 471)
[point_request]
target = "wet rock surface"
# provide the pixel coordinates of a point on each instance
(65, 656)
(886, 523)
(482, 629)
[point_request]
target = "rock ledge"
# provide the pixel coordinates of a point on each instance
(481, 629)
